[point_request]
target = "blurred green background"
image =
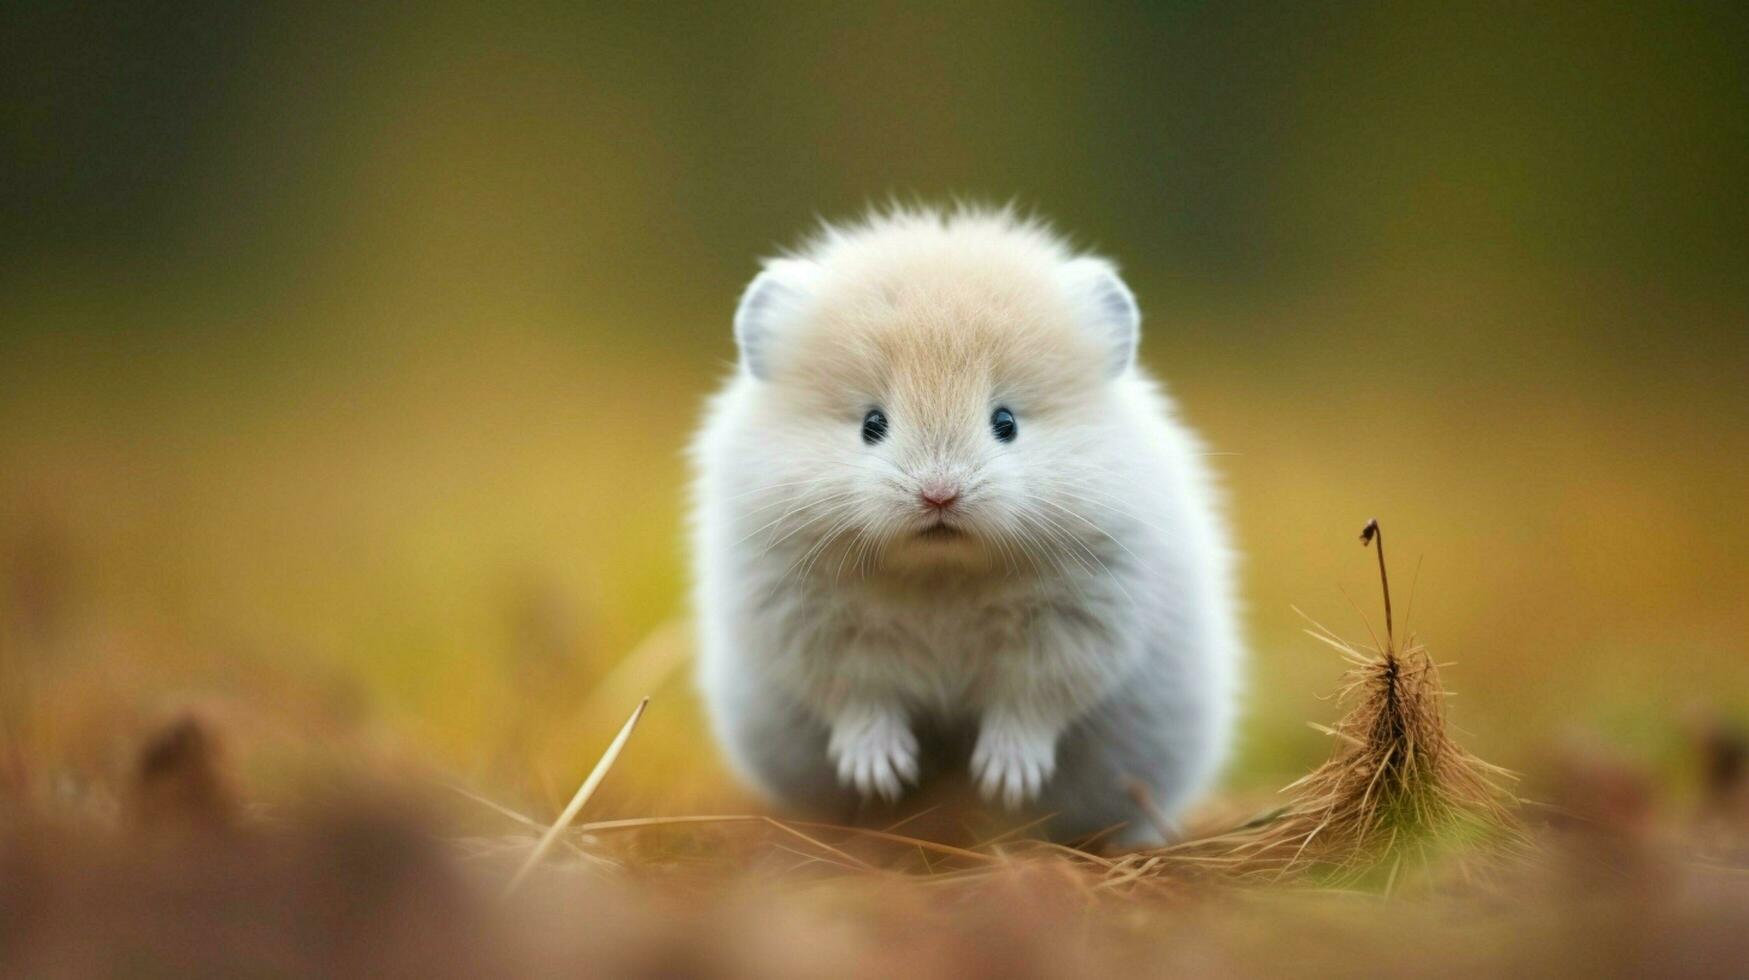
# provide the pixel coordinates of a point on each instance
(347, 357)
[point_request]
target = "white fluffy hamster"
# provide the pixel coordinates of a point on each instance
(943, 521)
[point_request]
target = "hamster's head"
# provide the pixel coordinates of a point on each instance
(935, 391)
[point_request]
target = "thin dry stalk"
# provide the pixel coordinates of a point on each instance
(584, 792)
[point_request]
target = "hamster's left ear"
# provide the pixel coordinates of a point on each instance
(1107, 307)
(772, 300)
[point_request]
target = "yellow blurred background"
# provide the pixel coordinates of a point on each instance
(347, 358)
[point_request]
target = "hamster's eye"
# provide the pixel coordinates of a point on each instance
(874, 426)
(1002, 424)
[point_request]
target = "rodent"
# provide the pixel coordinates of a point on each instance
(943, 521)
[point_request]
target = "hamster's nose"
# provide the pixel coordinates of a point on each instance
(938, 494)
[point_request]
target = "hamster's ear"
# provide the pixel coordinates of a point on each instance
(771, 301)
(1106, 306)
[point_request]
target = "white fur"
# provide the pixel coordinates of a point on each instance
(1074, 636)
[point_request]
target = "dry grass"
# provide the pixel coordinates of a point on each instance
(1398, 790)
(1370, 867)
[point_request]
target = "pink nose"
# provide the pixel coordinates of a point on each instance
(939, 495)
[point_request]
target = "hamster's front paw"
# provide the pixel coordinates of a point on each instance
(1012, 760)
(875, 752)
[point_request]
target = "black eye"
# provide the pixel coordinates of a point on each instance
(1002, 424)
(874, 426)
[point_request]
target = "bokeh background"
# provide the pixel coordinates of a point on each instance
(348, 357)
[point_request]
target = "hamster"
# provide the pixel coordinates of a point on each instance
(945, 525)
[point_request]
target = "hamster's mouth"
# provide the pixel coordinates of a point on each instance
(941, 531)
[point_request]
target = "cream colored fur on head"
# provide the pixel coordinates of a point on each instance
(945, 524)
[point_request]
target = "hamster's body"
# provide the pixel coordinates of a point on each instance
(943, 523)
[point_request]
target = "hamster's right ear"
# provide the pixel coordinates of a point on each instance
(772, 301)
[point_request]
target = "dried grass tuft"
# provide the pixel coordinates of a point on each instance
(1398, 792)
